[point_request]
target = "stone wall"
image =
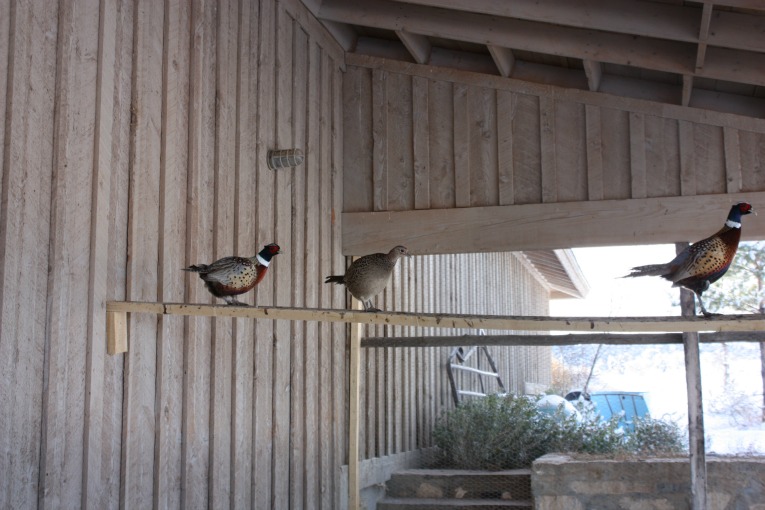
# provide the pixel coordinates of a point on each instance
(562, 483)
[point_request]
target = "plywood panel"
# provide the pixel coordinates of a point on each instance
(752, 160)
(710, 159)
(420, 143)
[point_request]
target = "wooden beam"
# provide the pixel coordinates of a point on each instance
(453, 321)
(594, 72)
(685, 99)
(417, 45)
(696, 447)
(586, 44)
(503, 59)
(701, 50)
(553, 340)
(545, 226)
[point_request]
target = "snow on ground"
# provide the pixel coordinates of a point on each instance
(731, 381)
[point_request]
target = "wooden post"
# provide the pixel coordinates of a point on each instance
(116, 332)
(695, 411)
(354, 367)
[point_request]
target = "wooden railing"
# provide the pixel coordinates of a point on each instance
(617, 330)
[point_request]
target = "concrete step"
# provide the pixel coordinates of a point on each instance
(449, 504)
(511, 485)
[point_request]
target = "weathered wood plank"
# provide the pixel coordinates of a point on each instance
(340, 348)
(200, 220)
(357, 126)
(441, 154)
(526, 150)
(326, 452)
(505, 114)
(461, 147)
(25, 208)
(615, 149)
(69, 276)
(298, 380)
(312, 285)
(245, 241)
(263, 420)
(687, 159)
(109, 440)
(637, 155)
(593, 130)
(420, 142)
(482, 124)
(143, 245)
(570, 152)
(226, 105)
(283, 277)
(400, 159)
(547, 149)
(544, 226)
(733, 171)
(172, 251)
(710, 160)
(662, 157)
(380, 140)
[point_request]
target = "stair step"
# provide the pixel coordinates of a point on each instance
(437, 484)
(449, 504)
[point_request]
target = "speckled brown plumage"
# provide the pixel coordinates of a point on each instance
(232, 276)
(367, 276)
(704, 262)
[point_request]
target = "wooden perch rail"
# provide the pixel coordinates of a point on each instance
(117, 323)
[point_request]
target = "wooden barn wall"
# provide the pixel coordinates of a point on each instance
(420, 137)
(405, 390)
(134, 144)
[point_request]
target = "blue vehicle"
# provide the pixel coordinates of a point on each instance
(627, 405)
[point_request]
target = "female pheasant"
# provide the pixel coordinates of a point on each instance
(231, 276)
(368, 275)
(704, 262)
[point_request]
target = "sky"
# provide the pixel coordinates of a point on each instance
(659, 370)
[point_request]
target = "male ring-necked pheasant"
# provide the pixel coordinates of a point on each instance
(368, 275)
(231, 276)
(704, 262)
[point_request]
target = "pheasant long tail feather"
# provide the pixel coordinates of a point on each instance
(651, 270)
(339, 280)
(200, 268)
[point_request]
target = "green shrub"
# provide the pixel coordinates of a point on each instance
(510, 432)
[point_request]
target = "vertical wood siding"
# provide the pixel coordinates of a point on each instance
(134, 139)
(486, 141)
(134, 144)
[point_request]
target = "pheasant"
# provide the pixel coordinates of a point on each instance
(703, 262)
(230, 276)
(368, 275)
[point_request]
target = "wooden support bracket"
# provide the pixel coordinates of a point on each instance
(116, 332)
